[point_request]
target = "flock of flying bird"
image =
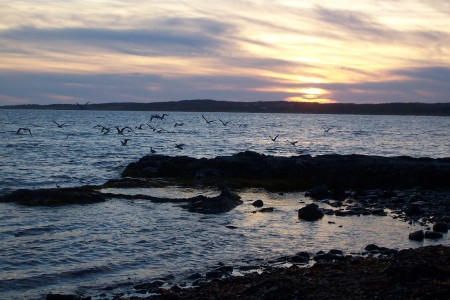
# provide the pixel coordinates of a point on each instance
(127, 129)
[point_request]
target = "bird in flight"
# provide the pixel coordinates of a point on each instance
(121, 130)
(59, 125)
(178, 124)
(23, 129)
(139, 127)
(84, 106)
(180, 146)
(274, 138)
(293, 143)
(152, 151)
(207, 121)
(224, 123)
(124, 142)
(326, 129)
(158, 117)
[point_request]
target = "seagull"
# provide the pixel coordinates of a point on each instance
(105, 130)
(139, 127)
(326, 129)
(83, 106)
(224, 123)
(158, 117)
(69, 135)
(179, 146)
(59, 125)
(293, 143)
(178, 124)
(120, 130)
(152, 151)
(209, 122)
(124, 142)
(274, 138)
(23, 129)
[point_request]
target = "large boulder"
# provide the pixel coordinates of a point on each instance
(225, 202)
(310, 212)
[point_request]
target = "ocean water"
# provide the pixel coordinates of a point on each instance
(107, 247)
(79, 154)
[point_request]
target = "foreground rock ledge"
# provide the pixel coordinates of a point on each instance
(422, 273)
(248, 168)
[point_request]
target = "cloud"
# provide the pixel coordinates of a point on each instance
(362, 26)
(170, 36)
(428, 84)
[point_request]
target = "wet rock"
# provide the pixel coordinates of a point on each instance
(267, 209)
(194, 276)
(417, 235)
(333, 254)
(310, 212)
(58, 196)
(300, 257)
(440, 227)
(318, 192)
(299, 172)
(433, 235)
(225, 202)
(149, 285)
(176, 288)
(372, 247)
(214, 274)
(258, 203)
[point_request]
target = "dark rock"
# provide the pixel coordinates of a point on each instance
(413, 209)
(300, 172)
(225, 202)
(440, 227)
(248, 268)
(258, 203)
(300, 257)
(176, 288)
(266, 209)
(149, 285)
(214, 274)
(417, 235)
(194, 276)
(58, 196)
(388, 194)
(331, 255)
(318, 192)
(433, 235)
(378, 212)
(372, 247)
(310, 212)
(336, 252)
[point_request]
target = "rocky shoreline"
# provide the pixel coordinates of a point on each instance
(415, 190)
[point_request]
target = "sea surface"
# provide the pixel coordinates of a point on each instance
(106, 247)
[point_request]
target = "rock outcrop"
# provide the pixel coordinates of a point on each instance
(337, 172)
(57, 196)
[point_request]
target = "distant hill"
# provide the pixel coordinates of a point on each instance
(207, 105)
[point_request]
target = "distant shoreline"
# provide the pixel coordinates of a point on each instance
(413, 109)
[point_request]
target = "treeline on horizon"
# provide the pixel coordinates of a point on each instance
(420, 109)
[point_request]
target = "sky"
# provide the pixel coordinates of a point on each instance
(366, 51)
